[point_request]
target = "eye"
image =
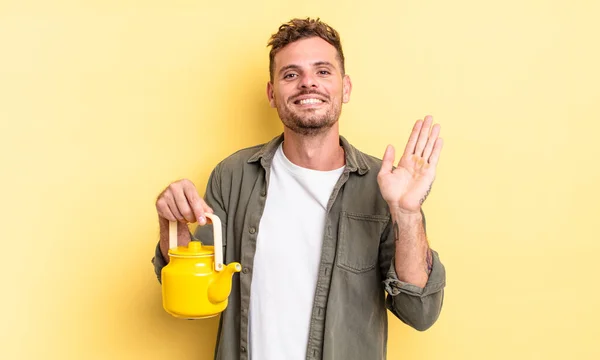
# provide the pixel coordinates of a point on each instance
(324, 72)
(290, 76)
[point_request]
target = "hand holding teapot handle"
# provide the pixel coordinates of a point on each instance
(180, 202)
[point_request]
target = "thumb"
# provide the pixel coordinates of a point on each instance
(387, 163)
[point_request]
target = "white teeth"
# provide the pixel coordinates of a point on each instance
(310, 101)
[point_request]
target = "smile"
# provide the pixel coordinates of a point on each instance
(308, 101)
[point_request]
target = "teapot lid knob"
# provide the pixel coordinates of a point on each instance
(195, 246)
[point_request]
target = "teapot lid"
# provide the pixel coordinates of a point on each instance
(194, 248)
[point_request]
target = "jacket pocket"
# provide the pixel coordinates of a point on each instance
(358, 244)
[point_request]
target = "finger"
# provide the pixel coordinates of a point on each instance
(174, 209)
(412, 139)
(184, 206)
(435, 154)
(198, 206)
(163, 209)
(423, 135)
(435, 133)
(387, 163)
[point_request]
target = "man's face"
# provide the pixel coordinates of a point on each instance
(308, 87)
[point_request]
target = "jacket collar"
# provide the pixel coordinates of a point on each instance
(355, 160)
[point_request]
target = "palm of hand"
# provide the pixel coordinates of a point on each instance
(407, 186)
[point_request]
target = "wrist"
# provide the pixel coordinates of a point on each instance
(400, 211)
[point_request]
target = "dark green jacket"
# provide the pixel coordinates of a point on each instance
(357, 280)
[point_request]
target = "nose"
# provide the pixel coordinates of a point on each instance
(308, 81)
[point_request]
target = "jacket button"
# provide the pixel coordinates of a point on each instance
(243, 348)
(252, 230)
(263, 193)
(245, 271)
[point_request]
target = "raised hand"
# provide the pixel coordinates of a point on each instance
(406, 187)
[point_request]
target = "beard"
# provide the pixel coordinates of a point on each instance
(311, 121)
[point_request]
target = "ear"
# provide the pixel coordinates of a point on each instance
(271, 94)
(346, 88)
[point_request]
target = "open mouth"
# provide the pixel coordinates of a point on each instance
(311, 101)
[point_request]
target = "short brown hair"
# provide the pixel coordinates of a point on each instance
(297, 29)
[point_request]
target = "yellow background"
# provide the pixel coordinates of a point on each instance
(104, 103)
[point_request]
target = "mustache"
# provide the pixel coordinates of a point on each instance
(309, 92)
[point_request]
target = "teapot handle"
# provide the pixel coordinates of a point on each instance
(217, 236)
(217, 240)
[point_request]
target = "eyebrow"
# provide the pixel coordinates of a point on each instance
(293, 66)
(287, 67)
(323, 63)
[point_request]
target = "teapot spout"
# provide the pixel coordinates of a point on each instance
(220, 289)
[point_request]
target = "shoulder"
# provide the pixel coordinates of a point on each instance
(241, 156)
(239, 161)
(366, 163)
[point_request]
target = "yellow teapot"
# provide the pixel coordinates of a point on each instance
(195, 284)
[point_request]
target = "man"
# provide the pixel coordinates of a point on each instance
(322, 230)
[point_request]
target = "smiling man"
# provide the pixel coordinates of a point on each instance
(328, 237)
(315, 66)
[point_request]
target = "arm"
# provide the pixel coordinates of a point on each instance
(416, 306)
(415, 278)
(413, 258)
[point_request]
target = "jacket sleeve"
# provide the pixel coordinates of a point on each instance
(415, 306)
(204, 233)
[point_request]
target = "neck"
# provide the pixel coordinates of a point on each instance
(321, 152)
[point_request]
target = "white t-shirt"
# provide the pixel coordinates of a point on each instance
(286, 263)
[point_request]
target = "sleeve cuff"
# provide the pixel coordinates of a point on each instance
(435, 282)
